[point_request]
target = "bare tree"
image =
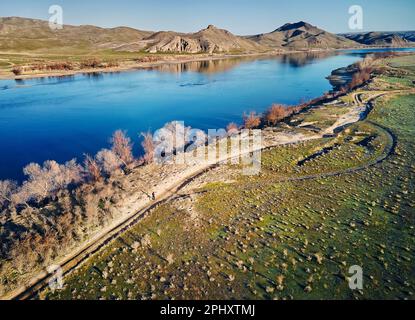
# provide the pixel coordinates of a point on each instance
(232, 128)
(275, 114)
(44, 181)
(92, 168)
(149, 147)
(108, 161)
(252, 120)
(7, 189)
(37, 186)
(122, 147)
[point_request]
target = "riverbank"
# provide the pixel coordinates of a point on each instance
(291, 232)
(156, 60)
(131, 62)
(129, 203)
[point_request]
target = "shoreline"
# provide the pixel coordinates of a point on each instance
(136, 206)
(127, 66)
(166, 60)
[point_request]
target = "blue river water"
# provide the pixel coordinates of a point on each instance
(61, 118)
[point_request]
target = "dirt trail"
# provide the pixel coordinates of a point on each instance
(166, 193)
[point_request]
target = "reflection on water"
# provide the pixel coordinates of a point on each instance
(206, 66)
(212, 66)
(50, 80)
(301, 59)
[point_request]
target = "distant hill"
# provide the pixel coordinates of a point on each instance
(384, 39)
(208, 40)
(302, 35)
(26, 35)
(31, 34)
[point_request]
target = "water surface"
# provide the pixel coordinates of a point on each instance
(61, 118)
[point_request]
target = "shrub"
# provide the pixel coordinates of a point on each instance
(232, 128)
(149, 147)
(91, 64)
(252, 120)
(44, 181)
(17, 71)
(122, 147)
(108, 161)
(92, 168)
(275, 114)
(7, 189)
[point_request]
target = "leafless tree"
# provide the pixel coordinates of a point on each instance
(149, 147)
(108, 161)
(44, 181)
(232, 128)
(92, 168)
(252, 120)
(7, 189)
(122, 147)
(275, 114)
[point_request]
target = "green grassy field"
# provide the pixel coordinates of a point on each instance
(291, 232)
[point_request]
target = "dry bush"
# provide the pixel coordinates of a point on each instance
(232, 128)
(149, 147)
(122, 147)
(252, 120)
(91, 64)
(360, 77)
(54, 66)
(60, 66)
(45, 181)
(147, 59)
(275, 114)
(17, 70)
(363, 72)
(113, 64)
(7, 189)
(92, 169)
(108, 161)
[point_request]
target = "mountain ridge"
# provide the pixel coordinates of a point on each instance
(26, 34)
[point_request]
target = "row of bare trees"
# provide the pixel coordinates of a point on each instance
(272, 116)
(92, 63)
(57, 204)
(46, 180)
(362, 73)
(277, 112)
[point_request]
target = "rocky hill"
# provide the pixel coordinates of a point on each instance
(32, 34)
(302, 35)
(208, 40)
(25, 35)
(383, 39)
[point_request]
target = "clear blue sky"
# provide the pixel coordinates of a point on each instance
(238, 16)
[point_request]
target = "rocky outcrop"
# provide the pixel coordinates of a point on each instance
(380, 39)
(209, 40)
(302, 35)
